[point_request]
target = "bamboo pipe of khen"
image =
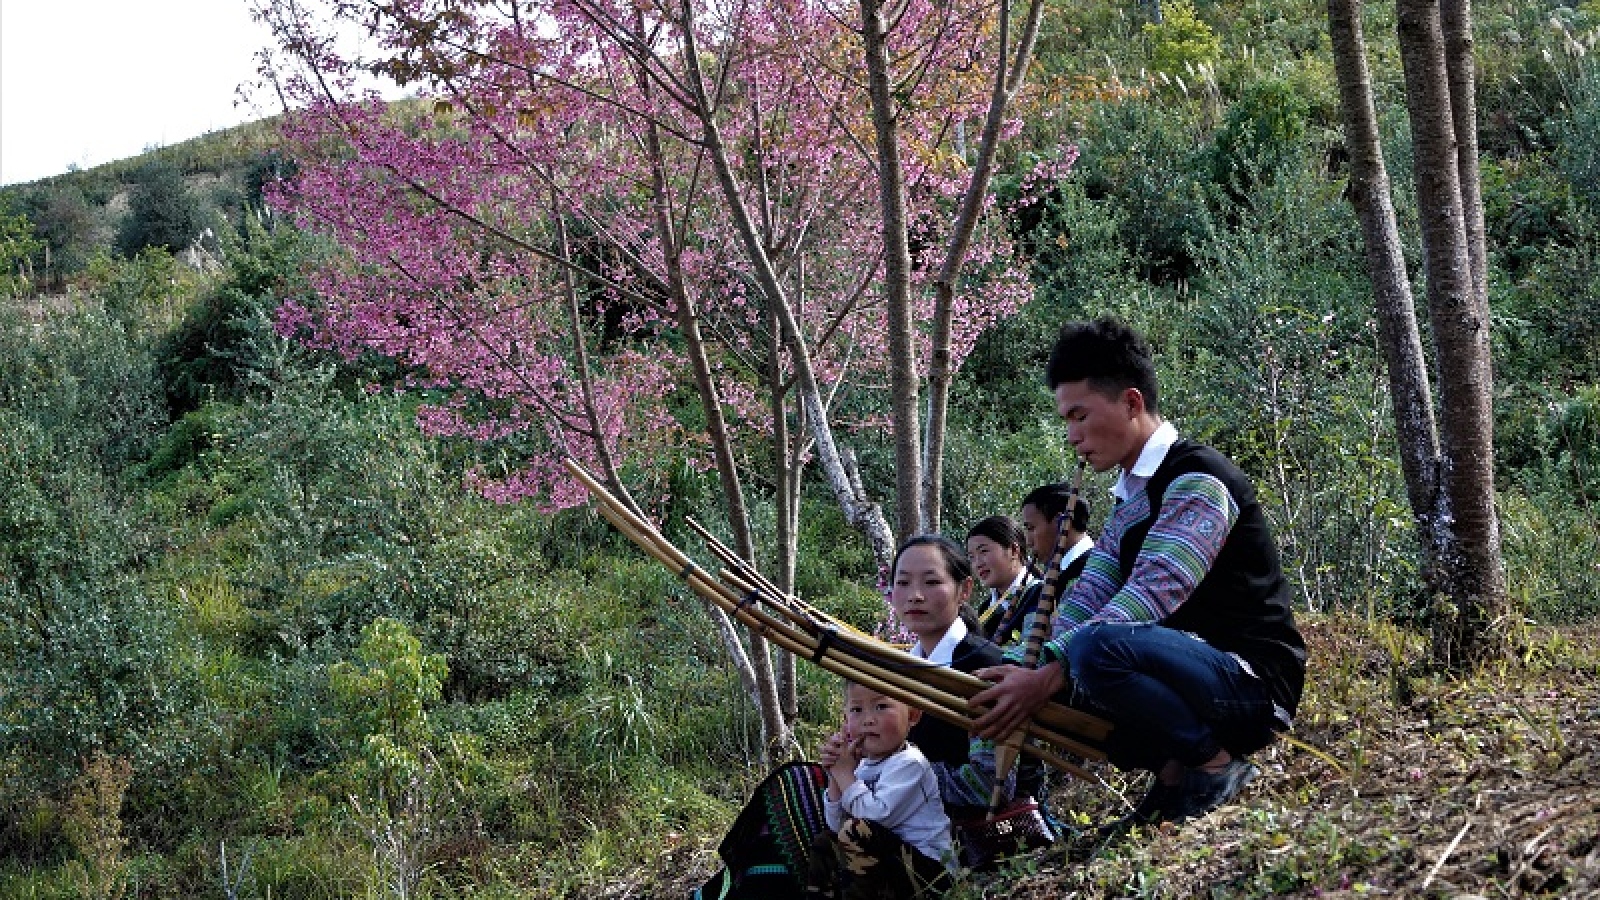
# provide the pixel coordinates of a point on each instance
(1006, 751)
(929, 698)
(1053, 714)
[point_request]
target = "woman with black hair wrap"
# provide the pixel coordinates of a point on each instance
(999, 553)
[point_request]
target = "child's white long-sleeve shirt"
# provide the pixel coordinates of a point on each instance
(901, 793)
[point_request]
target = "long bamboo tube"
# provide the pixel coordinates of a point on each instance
(732, 599)
(930, 699)
(744, 606)
(1061, 718)
(791, 639)
(728, 558)
(956, 701)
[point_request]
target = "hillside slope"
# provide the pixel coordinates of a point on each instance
(1396, 782)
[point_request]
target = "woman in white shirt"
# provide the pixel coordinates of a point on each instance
(932, 580)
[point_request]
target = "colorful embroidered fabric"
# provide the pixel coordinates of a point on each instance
(767, 851)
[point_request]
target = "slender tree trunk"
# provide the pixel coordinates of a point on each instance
(1455, 19)
(859, 511)
(787, 538)
(719, 619)
(580, 362)
(1471, 626)
(1410, 395)
(1008, 78)
(778, 738)
(862, 514)
(897, 274)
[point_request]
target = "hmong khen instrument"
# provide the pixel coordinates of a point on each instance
(1005, 753)
(812, 634)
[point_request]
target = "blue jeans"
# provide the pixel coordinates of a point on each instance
(1170, 695)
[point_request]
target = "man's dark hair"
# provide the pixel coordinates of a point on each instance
(1051, 499)
(1107, 354)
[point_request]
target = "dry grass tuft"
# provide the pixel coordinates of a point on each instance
(1398, 782)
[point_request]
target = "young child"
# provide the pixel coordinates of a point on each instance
(891, 836)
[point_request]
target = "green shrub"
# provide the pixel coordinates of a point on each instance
(68, 224)
(81, 376)
(409, 777)
(993, 472)
(834, 558)
(1551, 580)
(1260, 134)
(225, 342)
(386, 694)
(1181, 42)
(146, 293)
(1577, 135)
(1544, 329)
(18, 246)
(1148, 160)
(1528, 205)
(89, 661)
(1552, 465)
(1273, 359)
(1083, 37)
(89, 658)
(162, 211)
(1079, 259)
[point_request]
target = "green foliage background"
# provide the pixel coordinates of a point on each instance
(211, 539)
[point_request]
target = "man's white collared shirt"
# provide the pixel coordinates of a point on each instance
(1132, 481)
(1084, 545)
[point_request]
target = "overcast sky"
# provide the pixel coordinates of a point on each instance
(91, 81)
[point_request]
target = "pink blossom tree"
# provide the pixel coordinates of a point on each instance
(598, 199)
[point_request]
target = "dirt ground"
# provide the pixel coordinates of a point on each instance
(1395, 782)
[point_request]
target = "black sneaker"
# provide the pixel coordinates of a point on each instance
(1203, 791)
(1160, 804)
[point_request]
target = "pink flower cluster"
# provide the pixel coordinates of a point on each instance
(538, 120)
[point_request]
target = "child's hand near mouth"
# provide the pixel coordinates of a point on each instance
(840, 755)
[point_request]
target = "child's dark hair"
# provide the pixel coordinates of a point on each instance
(956, 564)
(1107, 354)
(1051, 500)
(1003, 530)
